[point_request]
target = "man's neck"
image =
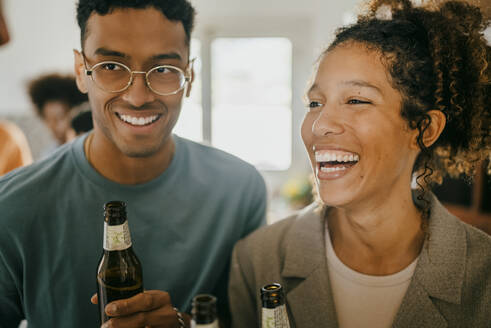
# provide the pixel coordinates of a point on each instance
(111, 163)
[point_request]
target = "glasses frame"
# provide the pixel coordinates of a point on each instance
(186, 74)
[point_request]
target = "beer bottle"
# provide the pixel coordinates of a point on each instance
(274, 310)
(119, 273)
(204, 311)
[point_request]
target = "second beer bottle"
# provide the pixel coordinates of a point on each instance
(119, 273)
(204, 312)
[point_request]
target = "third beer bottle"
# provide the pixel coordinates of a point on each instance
(274, 310)
(119, 273)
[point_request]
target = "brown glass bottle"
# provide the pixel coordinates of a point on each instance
(274, 313)
(119, 273)
(204, 311)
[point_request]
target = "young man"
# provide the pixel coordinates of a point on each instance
(187, 203)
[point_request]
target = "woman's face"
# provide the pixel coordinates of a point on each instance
(360, 147)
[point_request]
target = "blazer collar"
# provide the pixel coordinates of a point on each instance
(304, 252)
(439, 272)
(441, 266)
(310, 301)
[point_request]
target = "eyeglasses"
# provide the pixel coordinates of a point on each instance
(115, 77)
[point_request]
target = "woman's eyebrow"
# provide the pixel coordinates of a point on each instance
(363, 84)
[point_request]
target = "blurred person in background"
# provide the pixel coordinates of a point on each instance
(14, 149)
(402, 93)
(54, 97)
(80, 121)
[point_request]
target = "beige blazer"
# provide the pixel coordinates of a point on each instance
(451, 286)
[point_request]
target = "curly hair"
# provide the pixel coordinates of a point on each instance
(55, 87)
(437, 58)
(174, 10)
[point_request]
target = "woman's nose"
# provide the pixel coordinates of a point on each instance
(328, 122)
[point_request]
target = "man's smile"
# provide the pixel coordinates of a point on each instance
(139, 120)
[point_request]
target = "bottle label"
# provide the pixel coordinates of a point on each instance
(214, 324)
(275, 318)
(116, 237)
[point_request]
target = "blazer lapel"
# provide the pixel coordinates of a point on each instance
(439, 274)
(418, 311)
(311, 302)
(310, 298)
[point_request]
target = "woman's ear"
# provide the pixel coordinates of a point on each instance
(79, 68)
(434, 129)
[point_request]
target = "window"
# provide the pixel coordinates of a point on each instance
(190, 123)
(250, 103)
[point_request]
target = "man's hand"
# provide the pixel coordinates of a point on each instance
(152, 308)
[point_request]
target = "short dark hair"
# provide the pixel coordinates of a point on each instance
(174, 10)
(55, 87)
(82, 122)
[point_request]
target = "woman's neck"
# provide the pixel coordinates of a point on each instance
(377, 239)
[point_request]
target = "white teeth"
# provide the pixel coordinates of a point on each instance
(325, 156)
(333, 169)
(138, 120)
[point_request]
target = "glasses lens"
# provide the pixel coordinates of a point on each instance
(111, 76)
(166, 79)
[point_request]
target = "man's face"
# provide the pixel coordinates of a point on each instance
(140, 39)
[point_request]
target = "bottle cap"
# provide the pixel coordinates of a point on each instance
(115, 208)
(204, 308)
(272, 295)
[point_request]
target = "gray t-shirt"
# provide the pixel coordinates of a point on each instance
(183, 225)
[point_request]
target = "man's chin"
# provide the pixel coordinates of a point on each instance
(140, 151)
(144, 148)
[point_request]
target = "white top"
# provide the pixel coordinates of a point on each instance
(363, 300)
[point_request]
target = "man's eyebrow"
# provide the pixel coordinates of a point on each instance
(363, 84)
(113, 53)
(171, 55)
(108, 52)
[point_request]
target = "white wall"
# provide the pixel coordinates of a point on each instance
(309, 24)
(44, 32)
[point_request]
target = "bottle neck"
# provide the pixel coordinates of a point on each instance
(116, 236)
(275, 317)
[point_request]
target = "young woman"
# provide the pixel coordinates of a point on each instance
(402, 94)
